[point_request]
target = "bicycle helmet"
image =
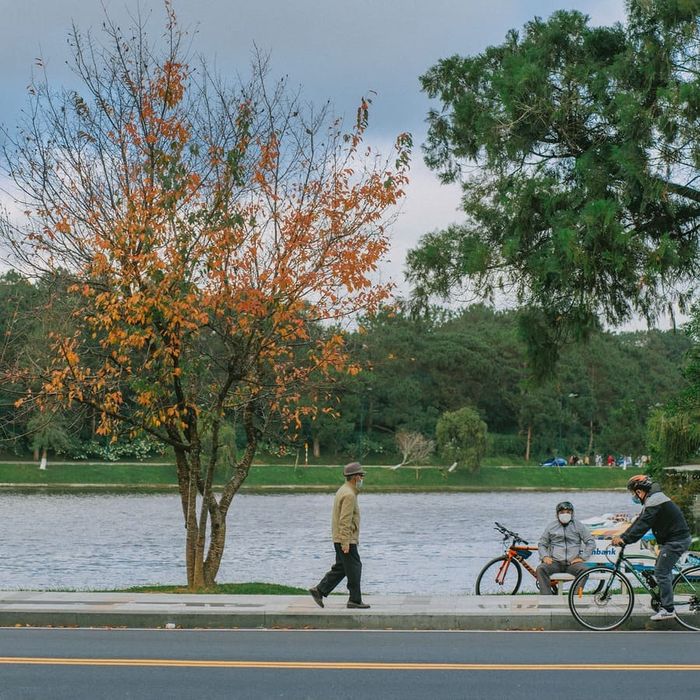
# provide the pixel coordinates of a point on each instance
(639, 482)
(565, 505)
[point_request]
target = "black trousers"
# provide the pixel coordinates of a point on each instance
(346, 565)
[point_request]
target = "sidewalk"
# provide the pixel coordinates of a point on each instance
(146, 610)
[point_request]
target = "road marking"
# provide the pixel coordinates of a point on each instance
(340, 665)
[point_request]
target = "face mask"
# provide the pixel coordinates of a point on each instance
(360, 483)
(564, 518)
(636, 500)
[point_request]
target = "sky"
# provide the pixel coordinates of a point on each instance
(334, 50)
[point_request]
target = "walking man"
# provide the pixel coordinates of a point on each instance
(564, 546)
(346, 536)
(670, 529)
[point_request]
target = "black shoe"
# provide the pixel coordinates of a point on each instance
(359, 606)
(316, 595)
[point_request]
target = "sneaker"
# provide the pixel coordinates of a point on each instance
(359, 606)
(663, 614)
(316, 595)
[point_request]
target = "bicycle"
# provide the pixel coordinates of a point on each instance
(602, 598)
(503, 575)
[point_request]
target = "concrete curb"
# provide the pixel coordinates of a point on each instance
(143, 610)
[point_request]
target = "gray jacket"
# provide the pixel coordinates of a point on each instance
(662, 515)
(566, 542)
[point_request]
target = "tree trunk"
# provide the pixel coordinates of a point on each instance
(194, 555)
(217, 542)
(590, 437)
(219, 511)
(528, 443)
(187, 484)
(211, 519)
(316, 447)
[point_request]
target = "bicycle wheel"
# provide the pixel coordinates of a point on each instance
(686, 597)
(601, 599)
(501, 576)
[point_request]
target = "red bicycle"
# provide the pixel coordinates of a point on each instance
(503, 575)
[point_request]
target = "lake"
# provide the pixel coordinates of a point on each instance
(410, 543)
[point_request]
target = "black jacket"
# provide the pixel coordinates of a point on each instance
(662, 516)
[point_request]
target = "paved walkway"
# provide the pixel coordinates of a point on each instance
(148, 610)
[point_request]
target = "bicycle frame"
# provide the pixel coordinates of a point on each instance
(513, 553)
(496, 572)
(603, 597)
(625, 566)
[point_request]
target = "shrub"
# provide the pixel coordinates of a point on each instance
(461, 437)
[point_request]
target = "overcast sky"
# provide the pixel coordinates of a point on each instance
(333, 49)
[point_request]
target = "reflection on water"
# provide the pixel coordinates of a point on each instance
(410, 543)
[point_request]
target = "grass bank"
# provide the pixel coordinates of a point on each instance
(143, 477)
(254, 588)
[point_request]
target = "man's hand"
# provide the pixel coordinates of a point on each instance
(577, 560)
(547, 560)
(617, 541)
(345, 548)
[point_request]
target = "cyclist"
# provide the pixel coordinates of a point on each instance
(670, 529)
(564, 546)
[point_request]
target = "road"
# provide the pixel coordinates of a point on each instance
(41, 663)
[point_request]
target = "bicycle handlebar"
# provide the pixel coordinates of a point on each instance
(509, 533)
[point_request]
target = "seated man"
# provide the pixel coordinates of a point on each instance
(564, 547)
(670, 528)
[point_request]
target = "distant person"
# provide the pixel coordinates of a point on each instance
(599, 460)
(670, 529)
(611, 461)
(564, 546)
(345, 528)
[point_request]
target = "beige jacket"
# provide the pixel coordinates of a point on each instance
(346, 516)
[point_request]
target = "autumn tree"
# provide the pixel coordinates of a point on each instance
(213, 236)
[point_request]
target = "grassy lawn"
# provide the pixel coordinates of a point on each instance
(268, 477)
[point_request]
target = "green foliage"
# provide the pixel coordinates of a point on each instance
(577, 150)
(505, 445)
(673, 438)
(461, 436)
(684, 489)
(138, 448)
(689, 398)
(414, 369)
(48, 431)
(674, 430)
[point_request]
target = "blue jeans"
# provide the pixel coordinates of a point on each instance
(669, 554)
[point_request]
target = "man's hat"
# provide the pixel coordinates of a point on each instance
(352, 469)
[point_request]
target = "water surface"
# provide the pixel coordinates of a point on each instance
(410, 543)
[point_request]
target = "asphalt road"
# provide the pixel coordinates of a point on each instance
(41, 663)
